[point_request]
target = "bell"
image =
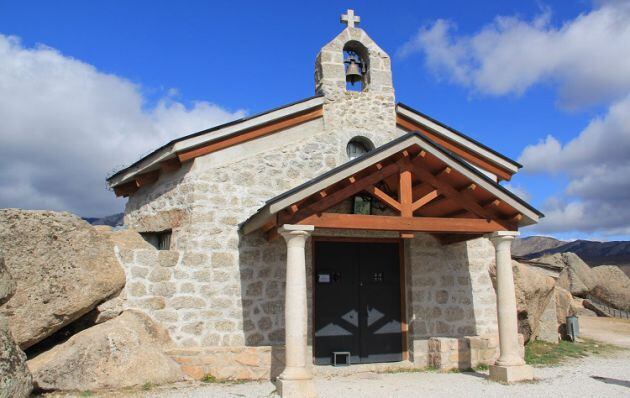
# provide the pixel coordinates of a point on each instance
(353, 71)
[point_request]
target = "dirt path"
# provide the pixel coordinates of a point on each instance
(589, 377)
(597, 376)
(607, 330)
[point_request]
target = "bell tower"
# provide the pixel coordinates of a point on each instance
(354, 75)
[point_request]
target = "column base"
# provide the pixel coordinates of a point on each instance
(511, 374)
(301, 388)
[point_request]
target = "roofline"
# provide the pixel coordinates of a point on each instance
(268, 210)
(171, 144)
(462, 135)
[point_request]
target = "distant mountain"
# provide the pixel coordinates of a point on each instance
(522, 247)
(114, 220)
(593, 253)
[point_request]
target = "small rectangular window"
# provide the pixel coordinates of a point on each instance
(160, 240)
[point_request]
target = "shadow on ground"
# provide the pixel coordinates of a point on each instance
(608, 380)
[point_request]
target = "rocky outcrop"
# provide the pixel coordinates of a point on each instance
(533, 294)
(63, 268)
(578, 308)
(564, 301)
(15, 379)
(612, 286)
(7, 284)
(123, 352)
(576, 277)
(534, 290)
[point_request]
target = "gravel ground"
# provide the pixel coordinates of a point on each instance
(590, 377)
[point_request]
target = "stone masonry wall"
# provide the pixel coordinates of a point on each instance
(228, 288)
(354, 113)
(221, 294)
(451, 293)
(237, 281)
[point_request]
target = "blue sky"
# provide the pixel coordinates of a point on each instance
(214, 61)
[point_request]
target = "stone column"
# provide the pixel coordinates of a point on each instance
(296, 380)
(510, 367)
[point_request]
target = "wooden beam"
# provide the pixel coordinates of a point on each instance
(383, 197)
(126, 189)
(170, 165)
(147, 178)
(424, 200)
(420, 189)
(475, 159)
(492, 203)
(447, 190)
(342, 194)
(269, 224)
(247, 135)
(406, 235)
(516, 218)
(403, 224)
(405, 192)
(443, 172)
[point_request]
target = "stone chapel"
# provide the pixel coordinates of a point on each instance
(342, 229)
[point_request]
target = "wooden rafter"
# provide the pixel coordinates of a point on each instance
(126, 189)
(147, 178)
(424, 200)
(170, 165)
(447, 190)
(342, 194)
(475, 159)
(383, 197)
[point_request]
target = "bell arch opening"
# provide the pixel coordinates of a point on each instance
(357, 66)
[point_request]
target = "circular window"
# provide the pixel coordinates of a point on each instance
(358, 146)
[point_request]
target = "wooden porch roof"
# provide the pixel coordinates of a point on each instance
(427, 187)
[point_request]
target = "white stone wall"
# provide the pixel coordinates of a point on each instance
(451, 290)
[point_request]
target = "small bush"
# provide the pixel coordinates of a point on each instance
(147, 386)
(209, 379)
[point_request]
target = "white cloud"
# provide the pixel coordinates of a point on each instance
(587, 58)
(597, 163)
(65, 125)
(518, 190)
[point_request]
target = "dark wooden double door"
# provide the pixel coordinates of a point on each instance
(357, 301)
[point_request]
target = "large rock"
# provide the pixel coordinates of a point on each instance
(612, 286)
(564, 304)
(7, 284)
(548, 324)
(123, 352)
(15, 379)
(576, 277)
(533, 294)
(63, 268)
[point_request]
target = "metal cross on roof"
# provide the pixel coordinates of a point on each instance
(350, 19)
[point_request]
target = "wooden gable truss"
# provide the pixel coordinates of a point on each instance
(422, 192)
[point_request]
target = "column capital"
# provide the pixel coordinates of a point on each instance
(500, 236)
(289, 230)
